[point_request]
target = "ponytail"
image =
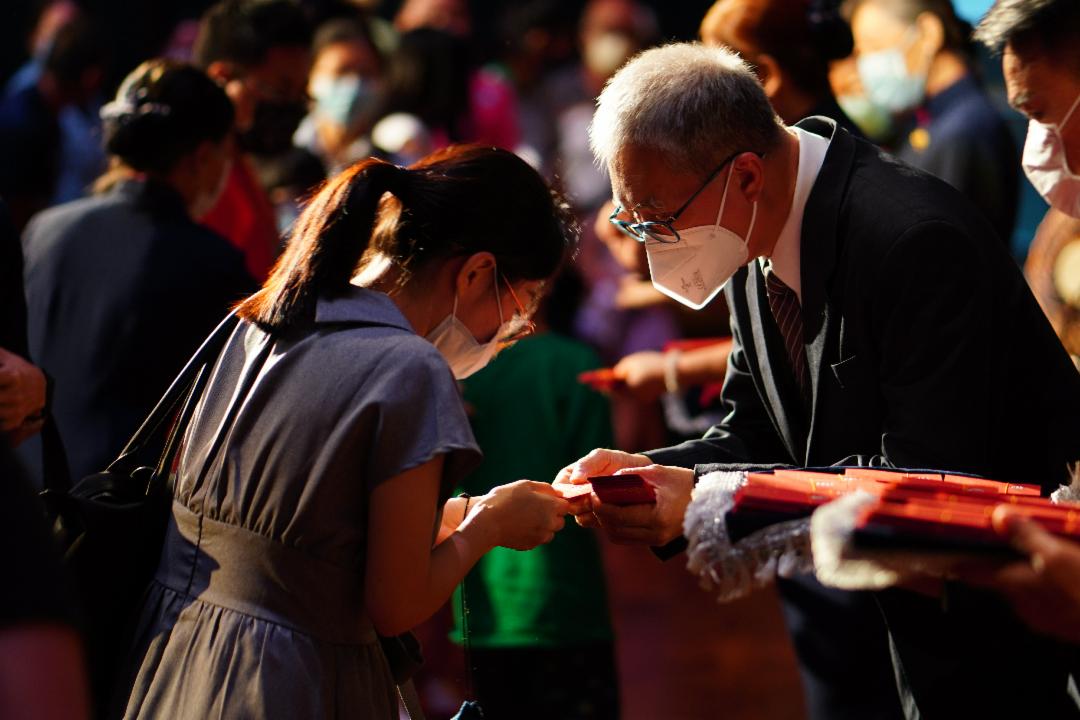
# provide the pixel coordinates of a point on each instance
(327, 242)
(457, 201)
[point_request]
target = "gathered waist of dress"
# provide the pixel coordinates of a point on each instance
(235, 568)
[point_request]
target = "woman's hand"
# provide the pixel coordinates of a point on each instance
(519, 515)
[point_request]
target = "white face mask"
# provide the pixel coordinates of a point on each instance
(694, 269)
(462, 351)
(1047, 168)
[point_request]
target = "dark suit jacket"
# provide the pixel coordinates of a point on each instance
(925, 349)
(121, 290)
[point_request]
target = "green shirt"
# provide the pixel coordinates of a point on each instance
(532, 417)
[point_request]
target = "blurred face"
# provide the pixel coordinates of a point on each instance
(344, 81)
(346, 58)
(281, 79)
(451, 16)
(1043, 90)
(875, 29)
(609, 36)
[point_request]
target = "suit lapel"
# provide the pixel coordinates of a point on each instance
(781, 392)
(819, 252)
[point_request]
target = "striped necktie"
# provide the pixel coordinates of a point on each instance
(784, 304)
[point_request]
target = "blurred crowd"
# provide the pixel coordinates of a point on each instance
(155, 159)
(316, 86)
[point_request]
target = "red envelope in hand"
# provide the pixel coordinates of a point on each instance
(623, 489)
(604, 379)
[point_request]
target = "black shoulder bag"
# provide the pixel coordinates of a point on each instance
(111, 525)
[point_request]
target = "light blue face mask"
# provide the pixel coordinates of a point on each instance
(875, 121)
(887, 82)
(340, 99)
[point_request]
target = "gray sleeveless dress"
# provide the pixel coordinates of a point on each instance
(257, 608)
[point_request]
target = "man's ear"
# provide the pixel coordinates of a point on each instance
(932, 30)
(768, 72)
(475, 276)
(749, 175)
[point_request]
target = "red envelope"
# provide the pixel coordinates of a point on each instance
(623, 489)
(604, 379)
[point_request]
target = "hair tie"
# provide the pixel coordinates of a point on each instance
(124, 110)
(398, 180)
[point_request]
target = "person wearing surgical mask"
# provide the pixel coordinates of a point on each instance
(332, 431)
(867, 310)
(610, 33)
(258, 52)
(344, 86)
(913, 62)
(1038, 45)
(129, 269)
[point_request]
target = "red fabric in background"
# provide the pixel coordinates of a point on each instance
(244, 216)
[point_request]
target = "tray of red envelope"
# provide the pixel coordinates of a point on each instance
(924, 511)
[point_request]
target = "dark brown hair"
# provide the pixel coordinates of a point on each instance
(803, 36)
(457, 201)
(163, 111)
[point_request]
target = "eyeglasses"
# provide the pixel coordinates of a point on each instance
(519, 326)
(663, 230)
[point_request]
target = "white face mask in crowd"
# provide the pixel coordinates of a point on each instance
(694, 268)
(1047, 167)
(460, 348)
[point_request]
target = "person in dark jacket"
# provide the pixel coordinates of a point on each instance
(122, 287)
(868, 312)
(914, 62)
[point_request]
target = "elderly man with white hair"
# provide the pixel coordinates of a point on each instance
(872, 324)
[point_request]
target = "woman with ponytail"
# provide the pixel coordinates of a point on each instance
(311, 509)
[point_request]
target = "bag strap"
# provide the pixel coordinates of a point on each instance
(179, 394)
(410, 700)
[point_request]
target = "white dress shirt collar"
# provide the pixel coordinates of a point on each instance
(785, 258)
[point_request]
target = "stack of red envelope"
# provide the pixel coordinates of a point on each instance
(925, 510)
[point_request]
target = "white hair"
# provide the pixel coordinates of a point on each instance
(692, 103)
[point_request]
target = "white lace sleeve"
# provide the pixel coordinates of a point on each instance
(838, 563)
(732, 570)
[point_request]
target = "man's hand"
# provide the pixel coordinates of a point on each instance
(656, 524)
(598, 462)
(1045, 589)
(22, 392)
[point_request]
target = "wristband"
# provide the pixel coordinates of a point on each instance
(467, 497)
(671, 370)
